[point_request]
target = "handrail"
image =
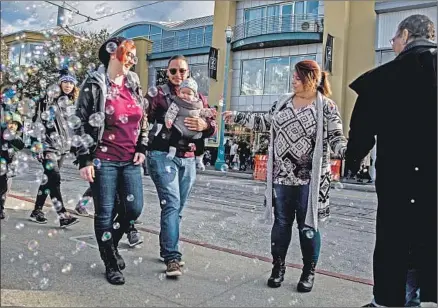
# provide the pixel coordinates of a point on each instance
(279, 24)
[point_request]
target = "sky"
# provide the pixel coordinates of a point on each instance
(37, 15)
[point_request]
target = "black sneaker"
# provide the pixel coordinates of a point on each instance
(67, 221)
(134, 238)
(38, 217)
(2, 214)
(173, 269)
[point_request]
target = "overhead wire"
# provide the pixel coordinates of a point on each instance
(116, 13)
(77, 12)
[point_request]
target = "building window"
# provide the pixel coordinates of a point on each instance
(252, 77)
(196, 38)
(312, 8)
(277, 17)
(271, 76)
(295, 59)
(137, 31)
(277, 75)
(386, 56)
(208, 36)
(183, 39)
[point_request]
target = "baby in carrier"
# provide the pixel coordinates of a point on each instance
(186, 104)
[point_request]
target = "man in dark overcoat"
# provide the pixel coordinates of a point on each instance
(397, 106)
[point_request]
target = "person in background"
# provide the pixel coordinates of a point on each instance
(233, 152)
(11, 143)
(401, 98)
(305, 127)
(174, 178)
(112, 164)
(227, 152)
(52, 113)
(364, 173)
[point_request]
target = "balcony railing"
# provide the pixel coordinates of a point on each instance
(182, 42)
(279, 24)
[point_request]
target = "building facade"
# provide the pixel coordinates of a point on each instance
(389, 15)
(191, 38)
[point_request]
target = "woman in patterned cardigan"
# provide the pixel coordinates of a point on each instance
(303, 126)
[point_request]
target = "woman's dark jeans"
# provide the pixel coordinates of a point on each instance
(112, 178)
(291, 202)
(53, 186)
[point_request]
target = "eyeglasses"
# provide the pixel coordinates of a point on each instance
(134, 59)
(173, 71)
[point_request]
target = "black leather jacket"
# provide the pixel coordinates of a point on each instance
(92, 99)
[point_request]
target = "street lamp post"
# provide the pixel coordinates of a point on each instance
(220, 161)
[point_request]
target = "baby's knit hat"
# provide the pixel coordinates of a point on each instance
(190, 83)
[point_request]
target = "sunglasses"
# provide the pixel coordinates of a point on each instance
(173, 71)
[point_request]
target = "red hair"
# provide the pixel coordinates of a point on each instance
(125, 47)
(312, 77)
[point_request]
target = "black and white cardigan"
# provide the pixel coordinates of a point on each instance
(329, 135)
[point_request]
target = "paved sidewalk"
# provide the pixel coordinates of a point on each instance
(212, 278)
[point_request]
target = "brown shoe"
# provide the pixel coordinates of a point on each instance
(173, 269)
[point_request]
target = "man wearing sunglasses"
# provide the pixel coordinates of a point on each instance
(175, 177)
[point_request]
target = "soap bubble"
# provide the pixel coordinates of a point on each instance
(46, 267)
(152, 91)
(109, 110)
(224, 168)
(33, 245)
(53, 91)
(310, 234)
(44, 283)
(66, 268)
(116, 226)
(111, 47)
(81, 245)
(63, 101)
(74, 122)
(87, 54)
(19, 226)
(97, 119)
(130, 198)
(123, 118)
(106, 236)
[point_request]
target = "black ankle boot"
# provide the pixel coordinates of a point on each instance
(120, 261)
(113, 273)
(307, 277)
(277, 275)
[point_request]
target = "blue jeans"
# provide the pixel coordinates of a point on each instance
(412, 289)
(174, 180)
(291, 202)
(124, 179)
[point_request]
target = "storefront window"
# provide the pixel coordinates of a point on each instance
(270, 75)
(277, 75)
(200, 74)
(252, 77)
(295, 59)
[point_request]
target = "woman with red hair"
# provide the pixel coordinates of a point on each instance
(303, 126)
